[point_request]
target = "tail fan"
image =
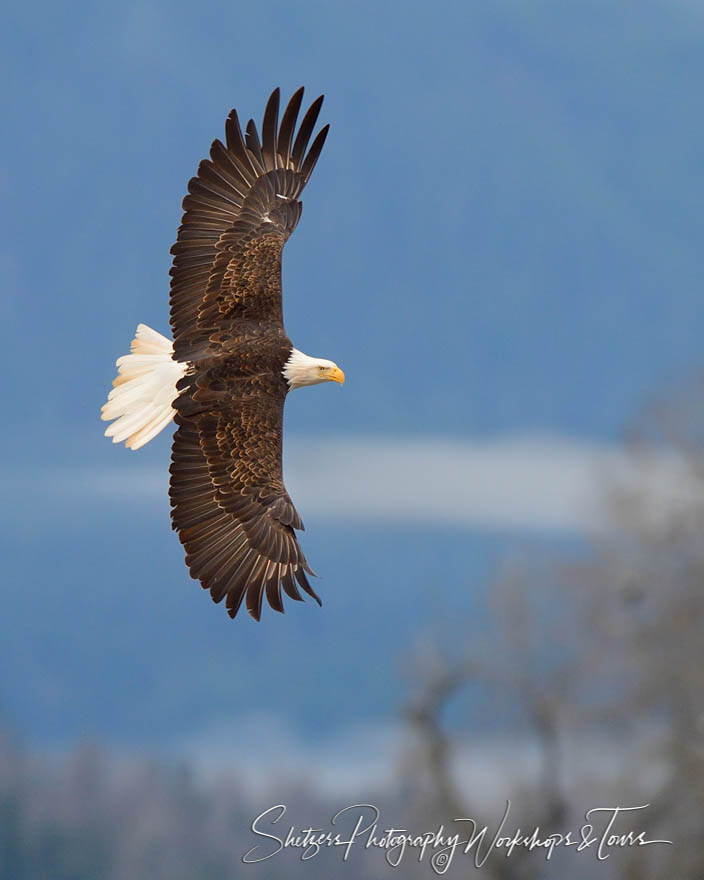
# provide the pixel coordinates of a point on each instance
(144, 390)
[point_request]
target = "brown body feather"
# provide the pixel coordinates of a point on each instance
(229, 503)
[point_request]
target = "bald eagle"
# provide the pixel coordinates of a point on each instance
(224, 378)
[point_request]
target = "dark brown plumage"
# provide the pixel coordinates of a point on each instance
(229, 503)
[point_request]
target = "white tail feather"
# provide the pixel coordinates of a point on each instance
(144, 390)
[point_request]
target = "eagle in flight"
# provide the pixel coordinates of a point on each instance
(225, 376)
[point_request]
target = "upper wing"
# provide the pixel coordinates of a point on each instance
(241, 208)
(230, 505)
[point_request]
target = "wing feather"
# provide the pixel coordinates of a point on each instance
(236, 146)
(273, 591)
(240, 209)
(289, 585)
(288, 125)
(305, 584)
(251, 139)
(314, 153)
(270, 123)
(305, 131)
(226, 489)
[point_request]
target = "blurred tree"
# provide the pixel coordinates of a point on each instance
(600, 657)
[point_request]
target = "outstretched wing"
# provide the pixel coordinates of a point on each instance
(240, 209)
(230, 505)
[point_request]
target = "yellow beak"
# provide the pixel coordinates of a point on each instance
(336, 375)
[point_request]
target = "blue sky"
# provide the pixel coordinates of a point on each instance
(501, 240)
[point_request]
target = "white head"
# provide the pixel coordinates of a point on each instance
(300, 370)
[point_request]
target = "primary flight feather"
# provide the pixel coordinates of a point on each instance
(225, 376)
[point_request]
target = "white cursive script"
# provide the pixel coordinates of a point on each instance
(358, 825)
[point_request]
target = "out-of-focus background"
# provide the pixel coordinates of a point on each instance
(502, 247)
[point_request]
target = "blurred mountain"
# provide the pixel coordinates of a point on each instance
(504, 230)
(503, 235)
